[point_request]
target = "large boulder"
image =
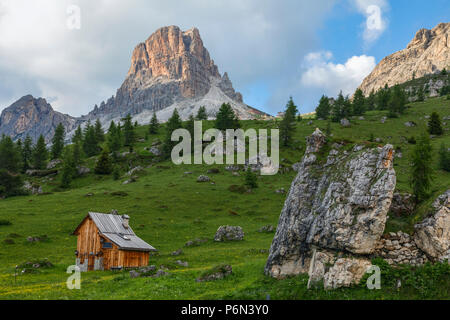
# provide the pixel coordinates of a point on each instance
(339, 201)
(433, 235)
(228, 233)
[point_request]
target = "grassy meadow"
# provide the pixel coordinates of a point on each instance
(168, 208)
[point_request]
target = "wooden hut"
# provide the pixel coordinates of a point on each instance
(106, 241)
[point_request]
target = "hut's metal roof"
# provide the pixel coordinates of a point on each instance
(111, 227)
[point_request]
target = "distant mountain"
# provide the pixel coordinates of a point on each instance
(172, 69)
(30, 116)
(427, 53)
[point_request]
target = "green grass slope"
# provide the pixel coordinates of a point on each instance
(169, 208)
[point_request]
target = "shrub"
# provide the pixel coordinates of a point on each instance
(5, 223)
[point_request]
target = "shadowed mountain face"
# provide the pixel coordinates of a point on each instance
(428, 52)
(30, 116)
(171, 69)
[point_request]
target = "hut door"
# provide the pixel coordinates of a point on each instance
(91, 263)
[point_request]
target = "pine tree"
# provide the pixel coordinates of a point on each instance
(397, 102)
(114, 140)
(421, 94)
(444, 158)
(173, 124)
(323, 110)
(78, 136)
(251, 180)
(434, 125)
(104, 164)
(128, 132)
(287, 125)
(421, 171)
(154, 125)
(69, 168)
(90, 143)
(359, 103)
(9, 155)
(190, 126)
(10, 184)
(370, 101)
(337, 111)
(347, 111)
(99, 133)
(27, 153)
(226, 118)
(77, 154)
(201, 115)
(40, 154)
(383, 97)
(58, 142)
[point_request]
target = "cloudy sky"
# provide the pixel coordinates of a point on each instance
(271, 49)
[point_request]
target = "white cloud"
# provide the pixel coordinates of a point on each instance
(322, 73)
(375, 23)
(253, 40)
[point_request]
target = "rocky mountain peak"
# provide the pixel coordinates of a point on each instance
(32, 116)
(427, 53)
(172, 69)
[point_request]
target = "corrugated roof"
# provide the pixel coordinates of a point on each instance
(111, 226)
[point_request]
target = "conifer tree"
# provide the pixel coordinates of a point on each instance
(104, 164)
(173, 124)
(114, 138)
(78, 136)
(154, 125)
(90, 143)
(359, 103)
(397, 102)
(128, 132)
(434, 125)
(324, 108)
(69, 168)
(383, 97)
(201, 114)
(58, 142)
(337, 111)
(421, 170)
(226, 118)
(27, 153)
(9, 155)
(99, 133)
(40, 154)
(421, 94)
(370, 101)
(251, 180)
(444, 158)
(287, 125)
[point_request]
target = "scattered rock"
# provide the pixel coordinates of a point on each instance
(281, 191)
(34, 189)
(155, 151)
(134, 170)
(229, 233)
(203, 178)
(217, 273)
(383, 120)
(182, 263)
(177, 253)
(195, 242)
(83, 170)
(267, 229)
(345, 123)
(53, 164)
(410, 124)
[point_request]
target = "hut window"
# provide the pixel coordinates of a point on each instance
(107, 245)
